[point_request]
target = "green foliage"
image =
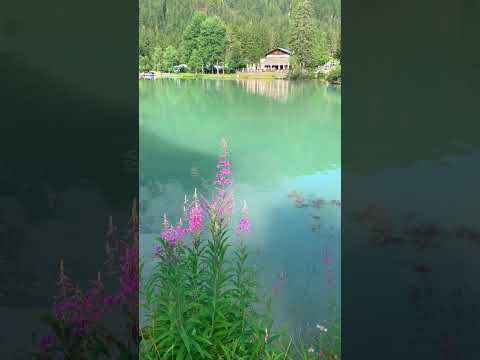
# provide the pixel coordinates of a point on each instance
(297, 72)
(201, 303)
(191, 36)
(195, 62)
(254, 26)
(320, 52)
(330, 342)
(253, 41)
(156, 59)
(204, 41)
(333, 41)
(146, 42)
(234, 58)
(169, 59)
(338, 51)
(335, 74)
(302, 32)
(212, 41)
(143, 63)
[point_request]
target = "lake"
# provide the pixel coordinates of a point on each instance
(284, 140)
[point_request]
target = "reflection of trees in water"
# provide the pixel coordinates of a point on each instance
(275, 89)
(203, 95)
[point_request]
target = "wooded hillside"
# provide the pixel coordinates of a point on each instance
(236, 32)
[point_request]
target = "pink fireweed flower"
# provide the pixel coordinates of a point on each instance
(195, 219)
(222, 205)
(174, 234)
(195, 216)
(222, 202)
(222, 176)
(243, 225)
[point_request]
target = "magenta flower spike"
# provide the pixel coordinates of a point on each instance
(243, 225)
(222, 202)
(174, 234)
(195, 216)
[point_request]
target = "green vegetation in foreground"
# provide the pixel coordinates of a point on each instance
(201, 300)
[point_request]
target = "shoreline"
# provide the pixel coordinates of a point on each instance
(234, 76)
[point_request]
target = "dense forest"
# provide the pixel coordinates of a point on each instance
(202, 33)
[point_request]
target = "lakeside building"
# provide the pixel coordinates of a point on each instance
(277, 59)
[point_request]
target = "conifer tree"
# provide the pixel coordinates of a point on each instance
(302, 32)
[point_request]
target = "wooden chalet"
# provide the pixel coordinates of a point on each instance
(276, 59)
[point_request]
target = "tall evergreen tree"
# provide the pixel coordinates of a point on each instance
(302, 32)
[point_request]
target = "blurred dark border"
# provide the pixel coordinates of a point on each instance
(410, 175)
(69, 149)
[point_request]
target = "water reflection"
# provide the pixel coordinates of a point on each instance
(275, 89)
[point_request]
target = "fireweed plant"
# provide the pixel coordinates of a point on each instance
(78, 323)
(200, 300)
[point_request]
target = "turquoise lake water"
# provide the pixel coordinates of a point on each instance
(284, 140)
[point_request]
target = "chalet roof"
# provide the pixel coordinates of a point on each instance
(281, 49)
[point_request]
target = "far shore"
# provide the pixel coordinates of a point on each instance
(230, 76)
